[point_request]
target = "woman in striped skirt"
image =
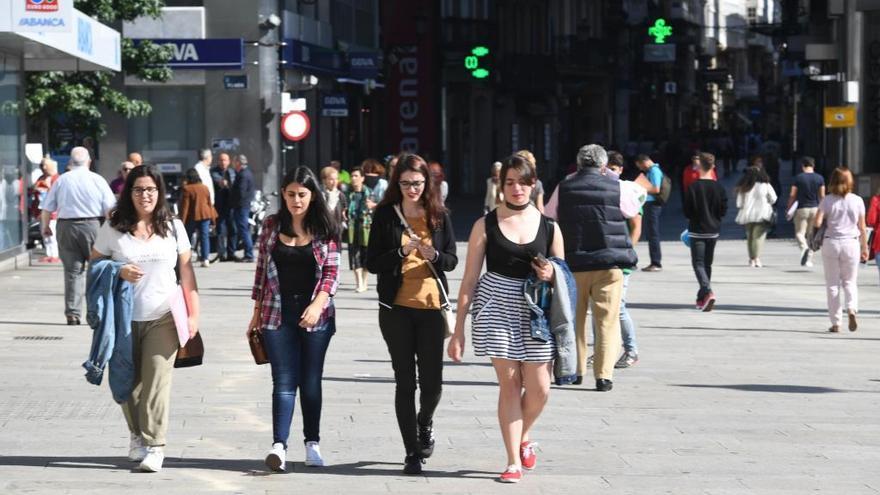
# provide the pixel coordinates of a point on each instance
(515, 240)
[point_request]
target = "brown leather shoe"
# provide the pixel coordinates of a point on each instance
(853, 324)
(834, 329)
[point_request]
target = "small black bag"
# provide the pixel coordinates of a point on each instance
(193, 351)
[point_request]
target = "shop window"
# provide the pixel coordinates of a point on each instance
(177, 122)
(11, 180)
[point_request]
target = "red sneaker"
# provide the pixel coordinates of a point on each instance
(513, 474)
(527, 455)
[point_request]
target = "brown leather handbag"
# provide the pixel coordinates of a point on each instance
(191, 354)
(258, 350)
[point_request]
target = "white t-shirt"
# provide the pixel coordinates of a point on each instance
(157, 257)
(842, 215)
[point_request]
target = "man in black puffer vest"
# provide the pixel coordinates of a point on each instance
(593, 212)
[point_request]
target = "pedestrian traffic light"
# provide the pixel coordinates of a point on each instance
(476, 62)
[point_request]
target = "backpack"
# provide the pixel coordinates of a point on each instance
(665, 190)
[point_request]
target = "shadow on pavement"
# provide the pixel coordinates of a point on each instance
(381, 379)
(244, 466)
(788, 389)
(37, 323)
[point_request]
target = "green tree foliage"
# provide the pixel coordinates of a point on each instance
(82, 96)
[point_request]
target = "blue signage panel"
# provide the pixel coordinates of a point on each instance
(334, 105)
(363, 65)
(313, 58)
(217, 53)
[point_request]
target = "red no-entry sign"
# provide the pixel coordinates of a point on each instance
(295, 126)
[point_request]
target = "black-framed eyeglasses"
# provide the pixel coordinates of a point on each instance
(141, 191)
(414, 184)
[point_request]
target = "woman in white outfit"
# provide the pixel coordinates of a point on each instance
(844, 246)
(755, 198)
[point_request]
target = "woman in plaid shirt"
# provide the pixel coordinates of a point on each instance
(296, 277)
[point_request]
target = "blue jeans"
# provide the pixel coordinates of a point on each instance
(225, 233)
(202, 230)
(627, 327)
(243, 231)
(297, 360)
(652, 228)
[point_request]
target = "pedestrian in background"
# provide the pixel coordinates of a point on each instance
(197, 213)
(807, 192)
(81, 198)
(43, 184)
(405, 257)
(142, 234)
(873, 221)
(135, 158)
(755, 199)
(296, 277)
(243, 191)
(705, 204)
(653, 209)
(845, 244)
(344, 176)
(203, 167)
(515, 240)
(334, 198)
(493, 189)
(119, 182)
(360, 217)
(630, 354)
(374, 179)
(439, 178)
(223, 177)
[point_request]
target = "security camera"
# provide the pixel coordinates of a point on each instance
(271, 22)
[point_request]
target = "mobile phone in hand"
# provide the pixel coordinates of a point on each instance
(540, 259)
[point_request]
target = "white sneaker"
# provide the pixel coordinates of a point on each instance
(277, 457)
(152, 462)
(206, 263)
(313, 455)
(758, 263)
(809, 264)
(136, 448)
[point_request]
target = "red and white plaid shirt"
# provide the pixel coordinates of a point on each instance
(267, 287)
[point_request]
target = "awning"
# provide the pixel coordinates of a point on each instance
(55, 36)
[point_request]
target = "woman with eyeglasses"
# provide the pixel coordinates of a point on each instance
(410, 300)
(142, 234)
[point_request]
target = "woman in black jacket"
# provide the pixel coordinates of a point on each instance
(410, 299)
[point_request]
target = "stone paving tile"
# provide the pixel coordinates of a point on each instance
(753, 398)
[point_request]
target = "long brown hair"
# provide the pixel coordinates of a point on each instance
(124, 217)
(841, 181)
(430, 199)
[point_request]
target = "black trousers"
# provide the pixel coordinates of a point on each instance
(415, 342)
(702, 255)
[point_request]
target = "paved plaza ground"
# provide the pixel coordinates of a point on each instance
(755, 397)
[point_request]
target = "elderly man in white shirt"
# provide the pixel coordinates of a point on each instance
(82, 199)
(203, 167)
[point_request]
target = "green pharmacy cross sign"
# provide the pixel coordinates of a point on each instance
(472, 62)
(660, 31)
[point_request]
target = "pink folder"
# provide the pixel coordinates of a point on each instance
(180, 315)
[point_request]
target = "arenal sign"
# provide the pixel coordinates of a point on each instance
(217, 53)
(44, 16)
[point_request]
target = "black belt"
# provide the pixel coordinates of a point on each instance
(82, 219)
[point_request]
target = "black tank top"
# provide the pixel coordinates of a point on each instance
(510, 259)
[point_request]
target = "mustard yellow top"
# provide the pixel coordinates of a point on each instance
(418, 289)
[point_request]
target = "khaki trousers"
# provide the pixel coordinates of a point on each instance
(154, 347)
(803, 225)
(603, 289)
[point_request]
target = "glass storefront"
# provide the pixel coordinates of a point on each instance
(12, 184)
(176, 123)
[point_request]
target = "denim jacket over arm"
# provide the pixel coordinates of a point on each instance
(553, 313)
(109, 308)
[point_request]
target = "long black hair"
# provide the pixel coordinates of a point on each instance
(751, 176)
(124, 217)
(318, 221)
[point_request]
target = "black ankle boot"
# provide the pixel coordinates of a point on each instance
(426, 441)
(412, 464)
